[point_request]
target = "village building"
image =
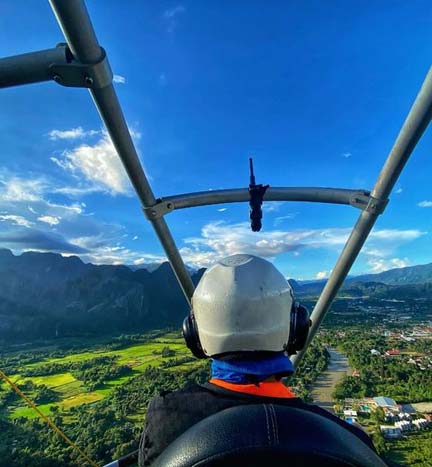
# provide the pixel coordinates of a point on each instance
(390, 432)
(385, 402)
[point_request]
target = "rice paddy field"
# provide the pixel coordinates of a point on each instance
(71, 391)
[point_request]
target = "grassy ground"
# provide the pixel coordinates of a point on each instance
(73, 393)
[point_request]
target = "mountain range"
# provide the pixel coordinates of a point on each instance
(47, 295)
(44, 295)
(394, 283)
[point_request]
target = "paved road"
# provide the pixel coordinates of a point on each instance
(323, 387)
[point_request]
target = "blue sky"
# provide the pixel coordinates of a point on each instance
(316, 95)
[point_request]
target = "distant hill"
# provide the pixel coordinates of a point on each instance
(404, 277)
(400, 276)
(46, 295)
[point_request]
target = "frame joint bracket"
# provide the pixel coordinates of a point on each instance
(366, 202)
(82, 75)
(158, 210)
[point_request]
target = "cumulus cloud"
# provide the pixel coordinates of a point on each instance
(425, 204)
(73, 133)
(37, 240)
(119, 79)
(25, 204)
(51, 220)
(380, 264)
(103, 250)
(16, 189)
(16, 220)
(219, 239)
(321, 275)
(99, 164)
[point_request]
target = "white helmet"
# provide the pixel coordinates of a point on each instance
(242, 303)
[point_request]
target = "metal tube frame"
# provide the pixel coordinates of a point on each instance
(75, 23)
(318, 195)
(33, 67)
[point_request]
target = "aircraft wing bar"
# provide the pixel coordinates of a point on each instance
(312, 194)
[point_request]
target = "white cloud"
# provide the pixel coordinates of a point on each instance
(135, 238)
(149, 258)
(321, 275)
(51, 220)
(220, 239)
(25, 204)
(173, 12)
(346, 155)
(16, 220)
(379, 264)
(279, 220)
(272, 206)
(99, 164)
(71, 191)
(73, 133)
(222, 209)
(101, 251)
(119, 79)
(399, 191)
(425, 204)
(171, 17)
(393, 236)
(17, 189)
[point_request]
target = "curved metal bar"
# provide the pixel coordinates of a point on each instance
(235, 195)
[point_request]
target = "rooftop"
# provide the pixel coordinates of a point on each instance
(384, 401)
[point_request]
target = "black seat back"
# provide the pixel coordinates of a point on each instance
(267, 435)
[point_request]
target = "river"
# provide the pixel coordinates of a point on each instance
(323, 387)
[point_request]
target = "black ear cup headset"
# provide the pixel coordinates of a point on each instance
(299, 330)
(191, 337)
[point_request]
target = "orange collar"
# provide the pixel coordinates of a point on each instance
(266, 388)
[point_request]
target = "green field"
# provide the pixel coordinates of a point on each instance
(72, 392)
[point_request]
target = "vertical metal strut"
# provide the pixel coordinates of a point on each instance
(410, 133)
(75, 23)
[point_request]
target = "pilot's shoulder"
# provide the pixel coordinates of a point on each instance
(168, 397)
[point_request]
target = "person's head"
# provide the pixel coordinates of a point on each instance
(243, 306)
